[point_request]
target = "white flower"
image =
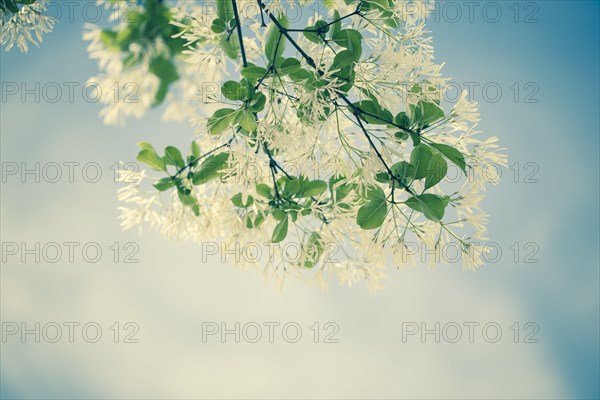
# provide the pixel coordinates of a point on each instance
(28, 25)
(464, 112)
(310, 129)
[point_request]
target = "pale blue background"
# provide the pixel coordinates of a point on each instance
(170, 292)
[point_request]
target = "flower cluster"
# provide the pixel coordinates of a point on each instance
(142, 62)
(331, 144)
(24, 22)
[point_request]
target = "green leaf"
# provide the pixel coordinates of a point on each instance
(341, 190)
(425, 113)
(453, 155)
(191, 201)
(436, 170)
(263, 190)
(218, 25)
(322, 26)
(416, 88)
(173, 157)
(246, 120)
(166, 72)
(164, 184)
(258, 102)
(314, 249)
(420, 157)
(375, 193)
(402, 120)
(342, 59)
(126, 36)
(150, 158)
(187, 199)
(416, 138)
(337, 26)
(196, 209)
(382, 177)
(260, 218)
(195, 148)
(292, 186)
(210, 168)
(381, 5)
(248, 89)
(253, 72)
(225, 9)
(221, 120)
(278, 60)
(109, 39)
(372, 113)
(312, 36)
(372, 215)
(231, 47)
(145, 146)
(289, 66)
(301, 76)
(9, 5)
(401, 135)
(237, 201)
(280, 231)
(313, 188)
(368, 106)
(279, 214)
(431, 205)
(351, 39)
(404, 171)
(192, 159)
(272, 50)
(232, 90)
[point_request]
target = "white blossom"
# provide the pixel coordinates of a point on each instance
(312, 131)
(26, 26)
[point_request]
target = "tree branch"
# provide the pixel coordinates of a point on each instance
(238, 24)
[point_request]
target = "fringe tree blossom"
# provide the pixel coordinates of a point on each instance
(142, 62)
(24, 22)
(328, 154)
